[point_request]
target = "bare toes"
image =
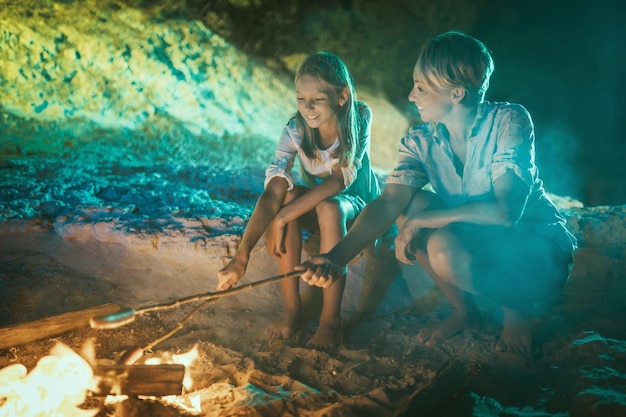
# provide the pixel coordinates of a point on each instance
(327, 335)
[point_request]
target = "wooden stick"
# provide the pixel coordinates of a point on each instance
(215, 295)
(154, 380)
(127, 315)
(21, 333)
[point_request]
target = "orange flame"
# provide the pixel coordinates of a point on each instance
(56, 386)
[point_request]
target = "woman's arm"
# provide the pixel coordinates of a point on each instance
(374, 220)
(504, 209)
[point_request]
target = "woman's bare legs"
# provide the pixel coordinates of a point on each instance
(516, 334)
(448, 262)
(465, 315)
(434, 255)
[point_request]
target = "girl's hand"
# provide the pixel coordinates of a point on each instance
(404, 252)
(320, 271)
(228, 276)
(275, 239)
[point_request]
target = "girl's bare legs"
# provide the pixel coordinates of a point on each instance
(285, 326)
(332, 214)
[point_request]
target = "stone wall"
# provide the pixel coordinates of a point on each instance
(124, 68)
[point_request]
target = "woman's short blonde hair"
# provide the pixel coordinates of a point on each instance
(455, 59)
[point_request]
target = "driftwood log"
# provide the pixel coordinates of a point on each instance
(21, 333)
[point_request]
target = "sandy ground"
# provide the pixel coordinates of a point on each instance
(94, 222)
(380, 371)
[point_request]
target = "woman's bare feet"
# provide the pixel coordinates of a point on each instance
(516, 334)
(328, 334)
(451, 325)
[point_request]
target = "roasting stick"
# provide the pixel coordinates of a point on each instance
(133, 355)
(127, 315)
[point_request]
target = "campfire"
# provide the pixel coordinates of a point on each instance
(65, 382)
(70, 384)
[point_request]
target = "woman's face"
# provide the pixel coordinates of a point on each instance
(317, 102)
(433, 106)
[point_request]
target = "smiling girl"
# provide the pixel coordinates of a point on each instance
(330, 137)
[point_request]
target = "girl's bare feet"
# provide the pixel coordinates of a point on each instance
(328, 334)
(283, 328)
(516, 334)
(451, 325)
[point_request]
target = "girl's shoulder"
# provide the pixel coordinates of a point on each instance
(292, 131)
(292, 126)
(363, 109)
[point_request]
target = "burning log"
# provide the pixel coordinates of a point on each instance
(18, 334)
(135, 380)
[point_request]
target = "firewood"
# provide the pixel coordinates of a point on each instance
(21, 333)
(148, 380)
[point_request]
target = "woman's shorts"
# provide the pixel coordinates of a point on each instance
(514, 265)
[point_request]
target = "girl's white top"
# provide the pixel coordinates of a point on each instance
(358, 178)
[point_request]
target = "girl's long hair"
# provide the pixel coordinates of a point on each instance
(329, 68)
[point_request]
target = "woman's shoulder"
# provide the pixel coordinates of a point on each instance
(503, 107)
(422, 130)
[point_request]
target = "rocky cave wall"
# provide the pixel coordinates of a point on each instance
(101, 66)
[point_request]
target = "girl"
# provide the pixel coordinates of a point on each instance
(489, 229)
(330, 136)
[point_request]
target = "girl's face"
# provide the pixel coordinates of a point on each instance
(317, 102)
(433, 106)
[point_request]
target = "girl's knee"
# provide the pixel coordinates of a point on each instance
(329, 209)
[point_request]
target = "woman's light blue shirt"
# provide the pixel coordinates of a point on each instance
(501, 139)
